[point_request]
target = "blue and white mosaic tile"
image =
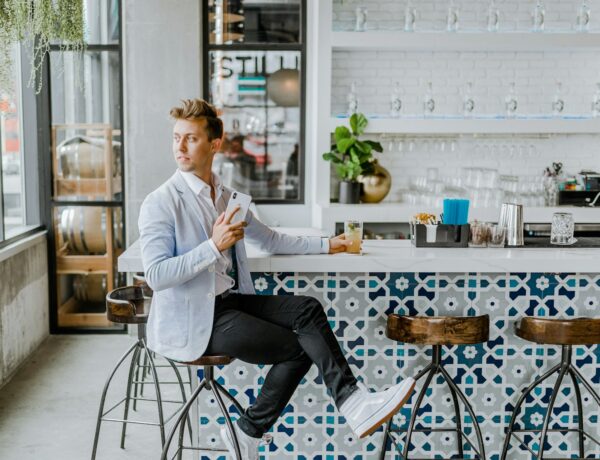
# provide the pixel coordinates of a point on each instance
(491, 375)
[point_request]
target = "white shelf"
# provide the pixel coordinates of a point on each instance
(476, 125)
(464, 41)
(400, 212)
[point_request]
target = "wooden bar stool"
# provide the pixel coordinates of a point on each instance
(566, 333)
(131, 305)
(438, 331)
(209, 383)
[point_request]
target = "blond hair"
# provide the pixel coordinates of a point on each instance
(199, 109)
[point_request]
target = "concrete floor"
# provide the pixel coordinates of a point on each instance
(48, 410)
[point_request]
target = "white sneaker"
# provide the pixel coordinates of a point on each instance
(248, 445)
(365, 411)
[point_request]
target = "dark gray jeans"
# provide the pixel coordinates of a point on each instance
(289, 332)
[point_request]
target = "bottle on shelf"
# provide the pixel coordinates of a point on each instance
(396, 101)
(352, 99)
(596, 102)
(410, 17)
(428, 101)
(468, 101)
(583, 17)
(538, 17)
(510, 101)
(452, 17)
(493, 17)
(558, 103)
(361, 19)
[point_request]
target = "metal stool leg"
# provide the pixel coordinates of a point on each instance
(182, 389)
(103, 397)
(189, 371)
(555, 390)
(465, 401)
(215, 391)
(458, 416)
(161, 419)
(128, 394)
(587, 385)
(137, 379)
(229, 396)
(386, 438)
(183, 414)
(517, 408)
(415, 410)
(579, 412)
(388, 424)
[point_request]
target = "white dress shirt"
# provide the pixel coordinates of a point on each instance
(211, 211)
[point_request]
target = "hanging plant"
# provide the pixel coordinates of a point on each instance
(37, 23)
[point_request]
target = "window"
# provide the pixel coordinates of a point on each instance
(85, 102)
(254, 56)
(12, 206)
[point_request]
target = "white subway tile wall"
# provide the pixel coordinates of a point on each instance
(535, 75)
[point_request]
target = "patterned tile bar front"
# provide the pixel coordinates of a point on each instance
(492, 375)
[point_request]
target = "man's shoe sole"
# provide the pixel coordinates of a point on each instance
(389, 414)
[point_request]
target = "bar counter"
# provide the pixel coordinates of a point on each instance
(358, 292)
(401, 256)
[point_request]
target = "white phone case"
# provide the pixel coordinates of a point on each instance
(243, 200)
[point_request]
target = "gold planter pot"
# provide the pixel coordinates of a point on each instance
(375, 185)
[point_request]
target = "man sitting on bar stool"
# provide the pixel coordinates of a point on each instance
(204, 300)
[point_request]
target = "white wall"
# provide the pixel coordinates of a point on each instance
(161, 66)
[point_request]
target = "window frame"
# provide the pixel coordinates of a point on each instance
(300, 47)
(32, 175)
(44, 100)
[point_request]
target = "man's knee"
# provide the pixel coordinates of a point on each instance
(311, 309)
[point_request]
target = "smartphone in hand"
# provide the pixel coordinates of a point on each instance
(243, 200)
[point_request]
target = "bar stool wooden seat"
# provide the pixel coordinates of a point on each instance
(131, 305)
(436, 332)
(566, 333)
(209, 383)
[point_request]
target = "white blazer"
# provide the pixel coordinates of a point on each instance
(179, 265)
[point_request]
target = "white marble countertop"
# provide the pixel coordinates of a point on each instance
(401, 256)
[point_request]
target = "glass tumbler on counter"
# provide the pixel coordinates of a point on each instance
(353, 232)
(563, 228)
(479, 235)
(497, 237)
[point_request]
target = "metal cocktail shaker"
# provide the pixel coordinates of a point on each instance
(511, 217)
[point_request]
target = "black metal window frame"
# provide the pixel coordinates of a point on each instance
(44, 103)
(31, 164)
(300, 47)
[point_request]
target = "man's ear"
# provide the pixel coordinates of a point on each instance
(216, 144)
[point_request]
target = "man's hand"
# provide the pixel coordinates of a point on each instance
(338, 244)
(224, 233)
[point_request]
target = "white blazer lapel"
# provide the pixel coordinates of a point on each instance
(187, 194)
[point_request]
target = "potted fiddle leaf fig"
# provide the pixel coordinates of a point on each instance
(352, 157)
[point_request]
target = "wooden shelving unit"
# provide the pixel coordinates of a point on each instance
(329, 43)
(86, 242)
